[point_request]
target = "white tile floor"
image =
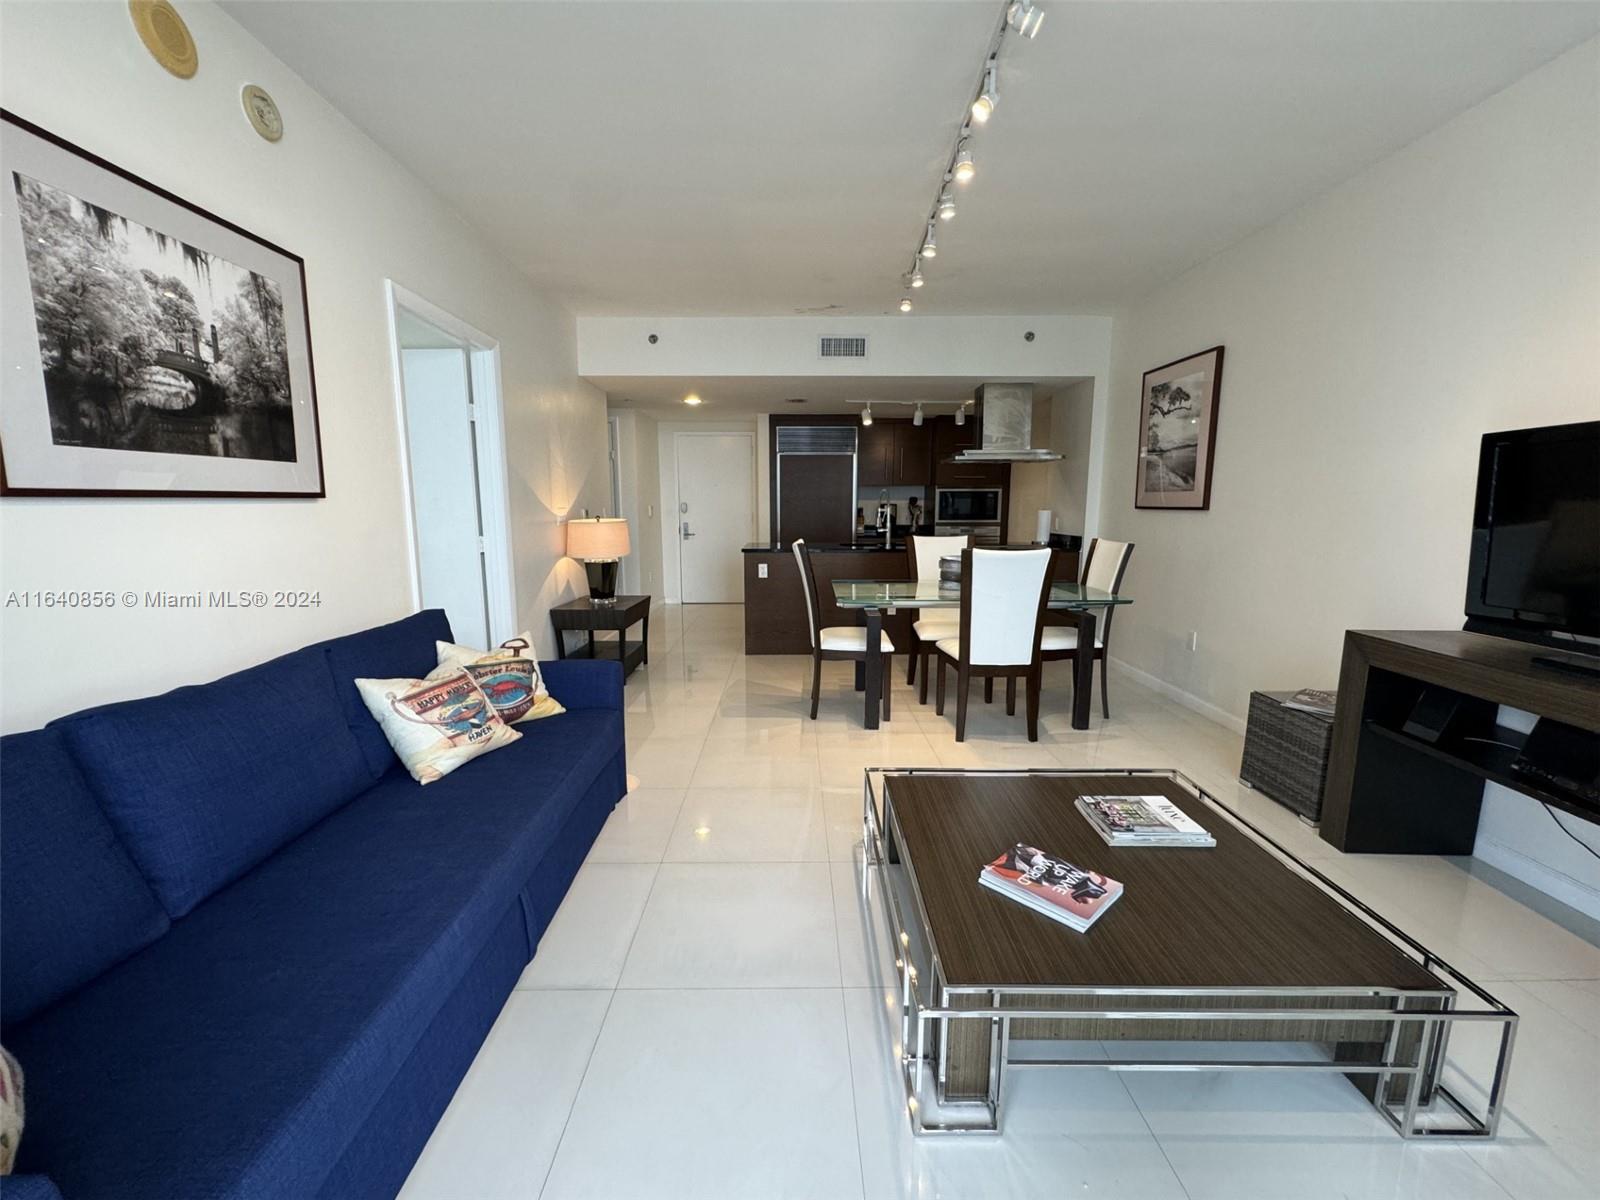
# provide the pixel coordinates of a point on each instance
(701, 1020)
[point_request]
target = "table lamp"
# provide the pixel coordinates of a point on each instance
(598, 542)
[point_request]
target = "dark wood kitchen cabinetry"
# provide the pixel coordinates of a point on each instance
(894, 454)
(950, 439)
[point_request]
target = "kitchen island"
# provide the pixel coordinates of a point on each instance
(775, 606)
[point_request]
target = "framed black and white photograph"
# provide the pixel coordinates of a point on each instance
(149, 347)
(1177, 432)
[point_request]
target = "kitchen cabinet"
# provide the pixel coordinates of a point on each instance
(894, 454)
(950, 439)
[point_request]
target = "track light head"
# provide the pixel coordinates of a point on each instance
(866, 415)
(930, 246)
(1025, 17)
(983, 106)
(905, 303)
(915, 278)
(961, 415)
(964, 168)
(947, 205)
(916, 417)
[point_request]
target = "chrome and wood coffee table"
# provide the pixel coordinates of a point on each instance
(1241, 942)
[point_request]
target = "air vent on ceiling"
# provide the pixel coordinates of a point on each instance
(816, 439)
(843, 347)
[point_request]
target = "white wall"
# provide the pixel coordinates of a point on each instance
(357, 217)
(1372, 338)
(1062, 423)
(987, 347)
(667, 451)
(640, 471)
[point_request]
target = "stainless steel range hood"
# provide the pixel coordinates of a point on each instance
(1005, 426)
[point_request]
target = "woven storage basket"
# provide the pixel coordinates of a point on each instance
(1286, 753)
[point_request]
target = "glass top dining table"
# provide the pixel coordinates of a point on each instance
(874, 597)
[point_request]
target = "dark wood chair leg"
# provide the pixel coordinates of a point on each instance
(1011, 695)
(1105, 699)
(938, 705)
(888, 683)
(988, 689)
(911, 661)
(963, 685)
(816, 682)
(927, 666)
(1035, 682)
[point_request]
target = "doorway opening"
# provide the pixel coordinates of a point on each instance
(453, 461)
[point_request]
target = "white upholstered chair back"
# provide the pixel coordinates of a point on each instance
(1105, 564)
(1005, 605)
(808, 586)
(931, 549)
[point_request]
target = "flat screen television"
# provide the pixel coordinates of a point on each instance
(1535, 565)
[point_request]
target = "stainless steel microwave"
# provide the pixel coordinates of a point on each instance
(967, 505)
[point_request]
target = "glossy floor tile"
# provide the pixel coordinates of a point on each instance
(707, 1017)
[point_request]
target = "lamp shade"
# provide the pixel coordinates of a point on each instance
(597, 539)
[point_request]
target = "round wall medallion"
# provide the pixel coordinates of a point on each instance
(262, 111)
(165, 35)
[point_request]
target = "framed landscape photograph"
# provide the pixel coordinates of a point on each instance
(148, 347)
(1178, 426)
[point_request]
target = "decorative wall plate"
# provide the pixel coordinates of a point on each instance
(165, 35)
(262, 111)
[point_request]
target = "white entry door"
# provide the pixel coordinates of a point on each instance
(444, 490)
(716, 495)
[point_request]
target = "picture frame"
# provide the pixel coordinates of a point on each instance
(1177, 432)
(148, 347)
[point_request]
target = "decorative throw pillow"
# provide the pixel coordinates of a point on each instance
(510, 677)
(11, 1110)
(435, 725)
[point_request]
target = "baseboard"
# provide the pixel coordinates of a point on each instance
(1553, 883)
(1190, 701)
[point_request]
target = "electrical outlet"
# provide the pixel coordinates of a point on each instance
(649, 510)
(1194, 642)
(761, 570)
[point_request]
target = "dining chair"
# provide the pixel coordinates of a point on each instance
(1106, 564)
(836, 641)
(924, 554)
(1003, 598)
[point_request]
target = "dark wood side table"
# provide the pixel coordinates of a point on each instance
(584, 614)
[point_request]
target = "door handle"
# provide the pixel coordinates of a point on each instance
(686, 532)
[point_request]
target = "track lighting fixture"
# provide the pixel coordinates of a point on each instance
(866, 415)
(983, 106)
(964, 168)
(915, 278)
(916, 417)
(1025, 17)
(947, 205)
(905, 303)
(930, 247)
(961, 415)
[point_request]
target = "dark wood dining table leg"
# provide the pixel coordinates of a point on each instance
(872, 668)
(1083, 671)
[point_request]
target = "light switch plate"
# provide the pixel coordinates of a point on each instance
(761, 570)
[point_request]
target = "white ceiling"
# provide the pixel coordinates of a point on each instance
(759, 157)
(730, 395)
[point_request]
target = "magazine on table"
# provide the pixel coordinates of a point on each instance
(1313, 700)
(1052, 886)
(1142, 821)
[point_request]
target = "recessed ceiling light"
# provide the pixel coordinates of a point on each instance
(691, 400)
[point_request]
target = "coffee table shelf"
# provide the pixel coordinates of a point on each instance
(1289, 954)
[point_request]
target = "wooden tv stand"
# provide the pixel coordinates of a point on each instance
(1394, 792)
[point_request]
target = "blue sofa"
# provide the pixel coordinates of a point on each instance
(242, 953)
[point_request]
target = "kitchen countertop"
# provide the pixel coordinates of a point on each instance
(864, 546)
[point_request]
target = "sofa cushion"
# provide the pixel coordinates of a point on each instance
(238, 1055)
(402, 649)
(204, 782)
(72, 903)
